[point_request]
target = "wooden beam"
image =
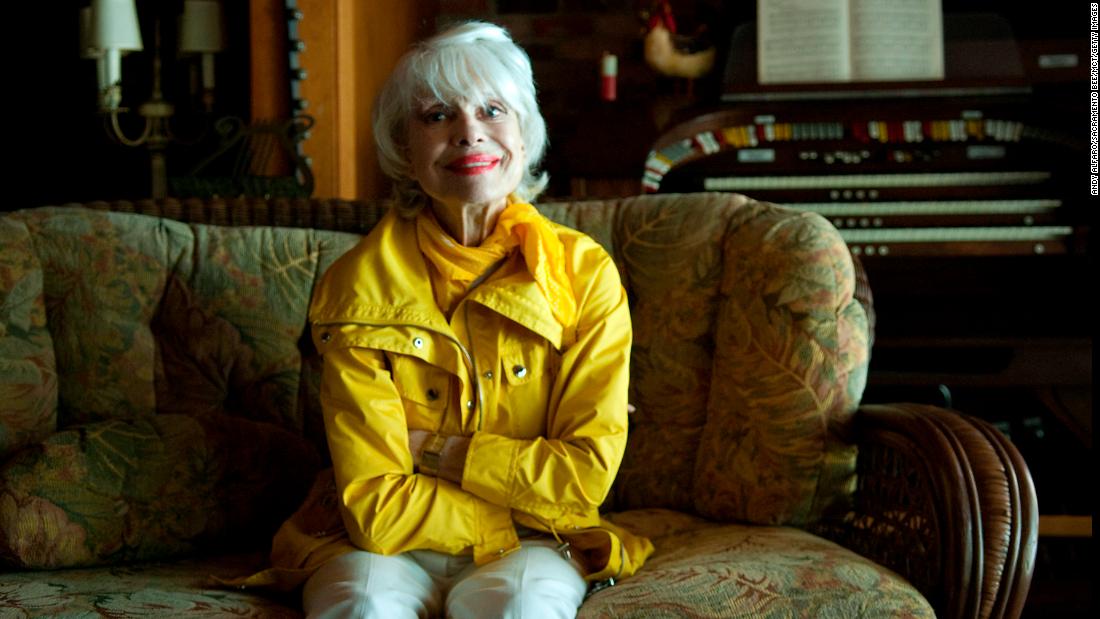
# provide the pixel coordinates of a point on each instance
(269, 85)
(350, 49)
(317, 30)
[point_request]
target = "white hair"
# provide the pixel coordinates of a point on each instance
(474, 61)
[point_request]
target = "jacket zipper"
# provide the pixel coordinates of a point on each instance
(470, 336)
(473, 363)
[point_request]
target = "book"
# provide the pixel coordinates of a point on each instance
(807, 41)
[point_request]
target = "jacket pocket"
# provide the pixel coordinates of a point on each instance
(424, 388)
(524, 390)
(522, 365)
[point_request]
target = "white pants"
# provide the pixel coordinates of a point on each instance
(532, 582)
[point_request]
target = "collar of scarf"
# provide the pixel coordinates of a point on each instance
(519, 225)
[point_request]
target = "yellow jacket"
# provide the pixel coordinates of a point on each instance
(545, 407)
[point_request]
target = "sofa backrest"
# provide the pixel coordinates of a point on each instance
(186, 412)
(28, 372)
(181, 350)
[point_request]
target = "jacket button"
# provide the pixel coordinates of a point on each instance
(433, 395)
(470, 404)
(326, 337)
(519, 371)
(418, 342)
(489, 375)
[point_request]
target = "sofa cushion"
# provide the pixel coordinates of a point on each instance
(792, 346)
(671, 264)
(231, 328)
(28, 376)
(103, 277)
(750, 355)
(149, 488)
(700, 569)
(177, 589)
(707, 569)
(188, 413)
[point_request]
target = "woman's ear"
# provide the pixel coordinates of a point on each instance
(406, 161)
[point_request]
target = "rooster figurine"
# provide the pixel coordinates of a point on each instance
(669, 53)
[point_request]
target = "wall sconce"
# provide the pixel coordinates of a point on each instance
(202, 32)
(109, 29)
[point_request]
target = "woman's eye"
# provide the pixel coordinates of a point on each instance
(434, 114)
(492, 111)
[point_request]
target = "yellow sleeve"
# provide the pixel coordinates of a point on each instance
(386, 508)
(570, 471)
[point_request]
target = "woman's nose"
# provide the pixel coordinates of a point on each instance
(468, 130)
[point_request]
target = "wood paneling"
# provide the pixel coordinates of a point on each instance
(350, 49)
(268, 58)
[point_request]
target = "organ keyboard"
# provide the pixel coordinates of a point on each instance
(898, 177)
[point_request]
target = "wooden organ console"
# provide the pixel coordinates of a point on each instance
(967, 201)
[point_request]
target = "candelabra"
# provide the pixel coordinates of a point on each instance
(109, 29)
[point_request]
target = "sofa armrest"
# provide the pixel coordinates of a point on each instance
(946, 501)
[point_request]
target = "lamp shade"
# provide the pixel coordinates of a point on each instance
(202, 27)
(87, 48)
(115, 25)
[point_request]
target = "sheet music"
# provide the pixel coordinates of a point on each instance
(896, 40)
(849, 40)
(802, 41)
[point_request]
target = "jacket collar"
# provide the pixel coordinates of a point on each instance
(385, 280)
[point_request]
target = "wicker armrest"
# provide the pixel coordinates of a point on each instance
(945, 500)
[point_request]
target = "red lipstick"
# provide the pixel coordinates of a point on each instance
(471, 165)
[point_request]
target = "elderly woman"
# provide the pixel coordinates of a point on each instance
(475, 367)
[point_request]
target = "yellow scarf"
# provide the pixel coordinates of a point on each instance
(518, 225)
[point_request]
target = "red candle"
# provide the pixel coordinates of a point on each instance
(609, 73)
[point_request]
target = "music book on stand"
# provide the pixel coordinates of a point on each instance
(823, 41)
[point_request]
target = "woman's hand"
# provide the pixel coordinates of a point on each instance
(417, 439)
(452, 454)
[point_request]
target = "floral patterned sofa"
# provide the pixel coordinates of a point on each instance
(159, 417)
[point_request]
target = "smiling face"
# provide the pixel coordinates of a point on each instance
(466, 154)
